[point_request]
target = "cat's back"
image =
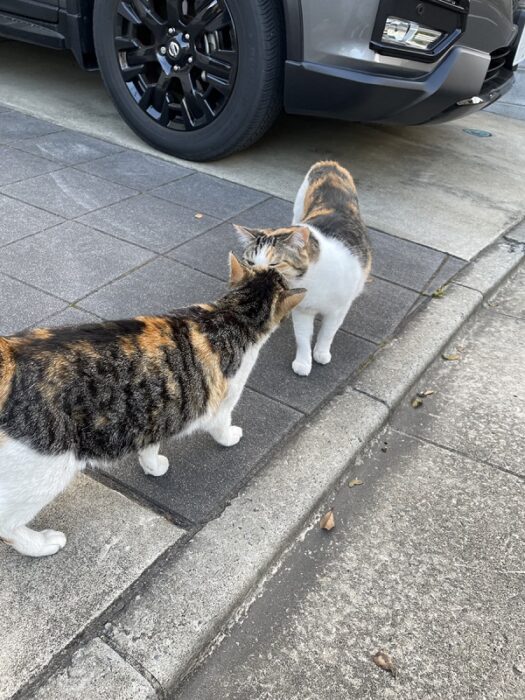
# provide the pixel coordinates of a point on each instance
(330, 204)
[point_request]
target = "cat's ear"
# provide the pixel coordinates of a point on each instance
(289, 300)
(238, 272)
(299, 238)
(247, 235)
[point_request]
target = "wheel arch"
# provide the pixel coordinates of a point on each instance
(293, 22)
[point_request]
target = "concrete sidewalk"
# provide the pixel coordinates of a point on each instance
(426, 558)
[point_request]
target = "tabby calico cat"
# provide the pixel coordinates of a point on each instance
(97, 392)
(326, 248)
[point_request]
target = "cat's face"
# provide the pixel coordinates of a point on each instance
(266, 288)
(285, 249)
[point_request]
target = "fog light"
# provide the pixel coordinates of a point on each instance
(403, 32)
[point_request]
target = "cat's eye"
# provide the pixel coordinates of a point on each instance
(250, 262)
(274, 264)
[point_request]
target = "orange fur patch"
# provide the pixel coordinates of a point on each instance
(211, 365)
(156, 334)
(7, 371)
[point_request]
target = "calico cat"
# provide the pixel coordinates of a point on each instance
(91, 393)
(326, 248)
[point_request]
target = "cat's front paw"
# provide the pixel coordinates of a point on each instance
(303, 369)
(231, 437)
(157, 467)
(322, 357)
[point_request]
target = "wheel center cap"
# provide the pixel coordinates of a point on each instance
(174, 49)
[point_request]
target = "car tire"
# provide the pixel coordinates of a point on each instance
(256, 37)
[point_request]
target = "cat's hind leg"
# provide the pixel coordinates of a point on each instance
(303, 324)
(153, 463)
(28, 482)
(330, 324)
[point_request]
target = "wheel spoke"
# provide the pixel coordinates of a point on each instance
(210, 16)
(141, 56)
(195, 108)
(212, 65)
(140, 12)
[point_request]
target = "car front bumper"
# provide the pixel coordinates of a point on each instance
(463, 82)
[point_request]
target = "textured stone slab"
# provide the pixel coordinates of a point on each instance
(23, 306)
(271, 213)
(158, 287)
(70, 316)
(98, 673)
(273, 374)
(66, 146)
(209, 252)
(136, 170)
(379, 310)
(18, 220)
(204, 475)
(202, 193)
(439, 597)
(14, 125)
(68, 192)
(403, 262)
(148, 222)
(467, 413)
(17, 165)
(70, 260)
(47, 602)
(510, 299)
(448, 270)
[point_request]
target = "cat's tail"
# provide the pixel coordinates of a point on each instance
(7, 370)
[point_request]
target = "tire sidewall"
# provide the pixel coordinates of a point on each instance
(237, 114)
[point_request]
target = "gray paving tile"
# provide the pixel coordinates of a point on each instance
(17, 165)
(508, 110)
(136, 170)
(210, 195)
(70, 260)
(204, 475)
(18, 219)
(446, 272)
(149, 222)
(403, 262)
(510, 299)
(14, 126)
(273, 374)
(158, 287)
(377, 313)
(68, 192)
(23, 306)
(67, 147)
(209, 252)
(70, 316)
(3, 108)
(271, 213)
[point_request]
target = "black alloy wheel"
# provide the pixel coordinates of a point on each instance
(196, 78)
(178, 59)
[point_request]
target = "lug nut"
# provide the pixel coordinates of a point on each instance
(171, 30)
(190, 60)
(176, 68)
(163, 50)
(187, 36)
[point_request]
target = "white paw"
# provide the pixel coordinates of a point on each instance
(303, 369)
(231, 437)
(158, 468)
(52, 541)
(322, 358)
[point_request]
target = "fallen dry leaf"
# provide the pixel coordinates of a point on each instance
(327, 521)
(199, 216)
(424, 394)
(355, 482)
(454, 357)
(385, 662)
(416, 402)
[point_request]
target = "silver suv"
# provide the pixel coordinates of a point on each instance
(203, 78)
